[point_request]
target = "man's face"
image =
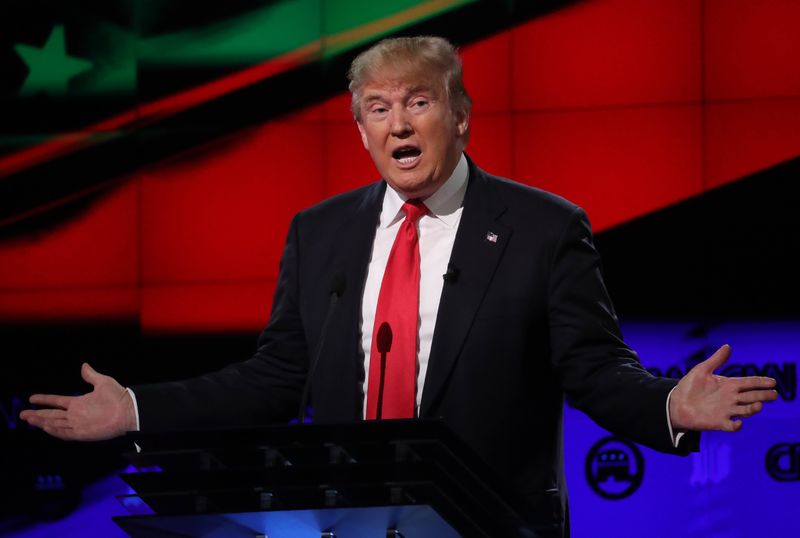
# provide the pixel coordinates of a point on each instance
(411, 133)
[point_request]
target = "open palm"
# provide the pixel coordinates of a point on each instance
(105, 412)
(703, 400)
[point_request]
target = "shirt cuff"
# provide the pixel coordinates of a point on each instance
(674, 436)
(136, 413)
(136, 408)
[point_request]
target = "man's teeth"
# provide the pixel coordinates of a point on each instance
(406, 155)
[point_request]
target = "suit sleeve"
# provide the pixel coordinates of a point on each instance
(264, 389)
(599, 373)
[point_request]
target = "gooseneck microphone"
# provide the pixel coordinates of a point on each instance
(334, 292)
(384, 344)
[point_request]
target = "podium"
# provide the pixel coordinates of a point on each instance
(393, 478)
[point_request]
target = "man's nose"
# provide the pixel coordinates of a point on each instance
(400, 124)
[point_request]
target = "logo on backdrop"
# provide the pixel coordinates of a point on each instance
(614, 468)
(783, 462)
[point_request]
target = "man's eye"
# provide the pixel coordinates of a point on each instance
(421, 103)
(378, 110)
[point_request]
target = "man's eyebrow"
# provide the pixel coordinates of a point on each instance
(419, 89)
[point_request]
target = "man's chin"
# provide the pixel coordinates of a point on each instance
(412, 187)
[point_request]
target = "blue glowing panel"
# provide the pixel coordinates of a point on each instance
(418, 521)
(92, 519)
(739, 485)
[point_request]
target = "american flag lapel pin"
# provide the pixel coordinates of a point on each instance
(491, 237)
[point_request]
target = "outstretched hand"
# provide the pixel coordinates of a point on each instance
(705, 401)
(105, 412)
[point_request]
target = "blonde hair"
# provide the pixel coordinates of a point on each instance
(410, 58)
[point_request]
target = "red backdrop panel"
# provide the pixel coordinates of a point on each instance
(490, 143)
(338, 108)
(617, 164)
(86, 269)
(745, 137)
(97, 248)
(609, 52)
(347, 163)
(752, 48)
(98, 304)
(487, 73)
(229, 306)
(222, 212)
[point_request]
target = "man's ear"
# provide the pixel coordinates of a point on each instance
(462, 122)
(363, 135)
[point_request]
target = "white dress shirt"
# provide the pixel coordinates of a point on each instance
(437, 233)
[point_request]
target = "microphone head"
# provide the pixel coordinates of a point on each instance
(337, 284)
(384, 339)
(452, 273)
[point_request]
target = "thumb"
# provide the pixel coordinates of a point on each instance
(716, 360)
(89, 374)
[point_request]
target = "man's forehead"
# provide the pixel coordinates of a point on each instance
(376, 89)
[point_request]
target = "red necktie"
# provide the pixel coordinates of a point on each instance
(398, 308)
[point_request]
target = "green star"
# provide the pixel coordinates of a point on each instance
(49, 67)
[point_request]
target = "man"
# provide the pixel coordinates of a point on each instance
(493, 289)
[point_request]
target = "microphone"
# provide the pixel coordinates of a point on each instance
(384, 345)
(334, 292)
(452, 273)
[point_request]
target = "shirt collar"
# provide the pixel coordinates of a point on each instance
(442, 204)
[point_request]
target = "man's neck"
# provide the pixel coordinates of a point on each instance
(444, 201)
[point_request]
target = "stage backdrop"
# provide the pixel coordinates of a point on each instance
(152, 155)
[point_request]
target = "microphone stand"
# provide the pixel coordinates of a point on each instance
(336, 290)
(384, 346)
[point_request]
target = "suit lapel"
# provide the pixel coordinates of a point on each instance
(480, 242)
(354, 241)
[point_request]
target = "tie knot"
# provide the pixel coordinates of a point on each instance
(414, 209)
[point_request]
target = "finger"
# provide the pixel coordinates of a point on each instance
(66, 434)
(51, 400)
(745, 411)
(27, 414)
(44, 423)
(59, 423)
(754, 383)
(752, 396)
(90, 375)
(36, 421)
(716, 360)
(29, 417)
(48, 413)
(733, 425)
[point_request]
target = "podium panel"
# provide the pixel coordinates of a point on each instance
(375, 478)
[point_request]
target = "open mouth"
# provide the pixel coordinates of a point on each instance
(406, 155)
